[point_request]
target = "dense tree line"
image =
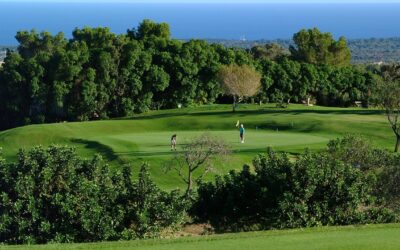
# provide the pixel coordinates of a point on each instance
(293, 81)
(97, 74)
(363, 51)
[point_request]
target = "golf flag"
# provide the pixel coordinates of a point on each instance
(237, 123)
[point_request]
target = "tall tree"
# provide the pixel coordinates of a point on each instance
(239, 81)
(315, 47)
(148, 28)
(104, 57)
(308, 83)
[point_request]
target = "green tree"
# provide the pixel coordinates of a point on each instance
(270, 51)
(308, 85)
(148, 29)
(13, 91)
(26, 73)
(66, 97)
(314, 47)
(104, 56)
(390, 72)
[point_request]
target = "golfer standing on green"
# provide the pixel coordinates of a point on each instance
(173, 142)
(241, 132)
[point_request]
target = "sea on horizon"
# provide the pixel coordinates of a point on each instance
(205, 21)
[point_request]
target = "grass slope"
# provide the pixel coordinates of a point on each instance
(146, 137)
(349, 237)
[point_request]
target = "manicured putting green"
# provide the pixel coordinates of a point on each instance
(154, 144)
(154, 148)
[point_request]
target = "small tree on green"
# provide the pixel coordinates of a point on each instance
(239, 81)
(389, 99)
(197, 159)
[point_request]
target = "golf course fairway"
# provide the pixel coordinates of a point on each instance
(347, 237)
(146, 137)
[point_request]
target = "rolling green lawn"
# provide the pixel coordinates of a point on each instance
(146, 137)
(349, 237)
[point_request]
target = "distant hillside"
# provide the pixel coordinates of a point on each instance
(375, 50)
(371, 50)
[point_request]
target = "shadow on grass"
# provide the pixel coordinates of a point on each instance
(274, 126)
(140, 154)
(261, 112)
(147, 154)
(102, 149)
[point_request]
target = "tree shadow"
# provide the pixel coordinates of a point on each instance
(146, 154)
(262, 111)
(102, 149)
(314, 127)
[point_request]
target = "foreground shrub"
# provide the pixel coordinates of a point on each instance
(388, 184)
(51, 195)
(381, 166)
(358, 152)
(313, 190)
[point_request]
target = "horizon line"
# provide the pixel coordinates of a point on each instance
(210, 1)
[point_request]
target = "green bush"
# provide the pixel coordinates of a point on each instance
(381, 167)
(313, 190)
(358, 152)
(51, 195)
(388, 183)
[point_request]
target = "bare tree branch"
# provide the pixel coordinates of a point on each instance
(239, 81)
(389, 99)
(198, 155)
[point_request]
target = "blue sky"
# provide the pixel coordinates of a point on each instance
(211, 1)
